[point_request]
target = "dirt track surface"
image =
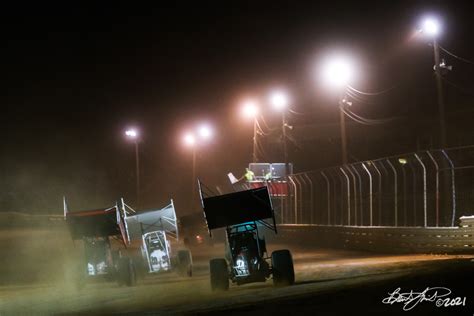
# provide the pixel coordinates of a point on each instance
(318, 272)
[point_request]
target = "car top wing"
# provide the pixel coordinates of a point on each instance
(146, 221)
(237, 208)
(95, 223)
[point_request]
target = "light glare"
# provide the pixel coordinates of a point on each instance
(189, 139)
(338, 71)
(205, 131)
(279, 100)
(131, 133)
(250, 109)
(402, 161)
(431, 26)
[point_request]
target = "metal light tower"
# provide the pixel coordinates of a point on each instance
(431, 28)
(192, 140)
(133, 135)
(338, 72)
(250, 110)
(342, 122)
(279, 101)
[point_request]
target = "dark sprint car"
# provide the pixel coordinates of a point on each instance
(246, 259)
(104, 236)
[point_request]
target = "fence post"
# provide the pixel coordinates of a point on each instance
(425, 205)
(437, 185)
(355, 193)
(334, 196)
(396, 190)
(334, 205)
(379, 190)
(386, 175)
(405, 198)
(453, 186)
(312, 208)
(302, 185)
(414, 191)
(370, 193)
(295, 200)
(341, 180)
(348, 197)
(360, 195)
(329, 195)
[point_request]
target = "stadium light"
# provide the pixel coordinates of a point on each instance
(402, 161)
(189, 139)
(250, 109)
(338, 71)
(205, 131)
(279, 100)
(431, 26)
(131, 133)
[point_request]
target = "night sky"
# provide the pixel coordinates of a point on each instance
(74, 77)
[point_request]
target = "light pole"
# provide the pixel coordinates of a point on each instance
(279, 101)
(133, 135)
(431, 28)
(250, 110)
(342, 122)
(191, 140)
(338, 72)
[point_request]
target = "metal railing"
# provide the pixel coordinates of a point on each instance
(431, 188)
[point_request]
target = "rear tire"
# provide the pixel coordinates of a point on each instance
(282, 268)
(126, 274)
(185, 263)
(219, 274)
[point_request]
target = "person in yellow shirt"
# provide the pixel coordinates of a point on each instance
(249, 175)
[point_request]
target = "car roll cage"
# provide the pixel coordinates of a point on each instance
(152, 225)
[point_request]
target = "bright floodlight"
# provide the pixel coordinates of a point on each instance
(189, 139)
(205, 131)
(431, 26)
(338, 71)
(402, 161)
(279, 100)
(250, 109)
(131, 133)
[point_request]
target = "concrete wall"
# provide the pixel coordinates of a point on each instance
(388, 239)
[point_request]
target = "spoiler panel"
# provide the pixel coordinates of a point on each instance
(152, 220)
(96, 223)
(237, 208)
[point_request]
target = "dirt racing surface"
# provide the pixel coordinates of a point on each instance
(35, 281)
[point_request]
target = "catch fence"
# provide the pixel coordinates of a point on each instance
(432, 188)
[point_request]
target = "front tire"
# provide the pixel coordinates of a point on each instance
(219, 274)
(282, 268)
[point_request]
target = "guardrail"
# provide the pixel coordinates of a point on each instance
(386, 239)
